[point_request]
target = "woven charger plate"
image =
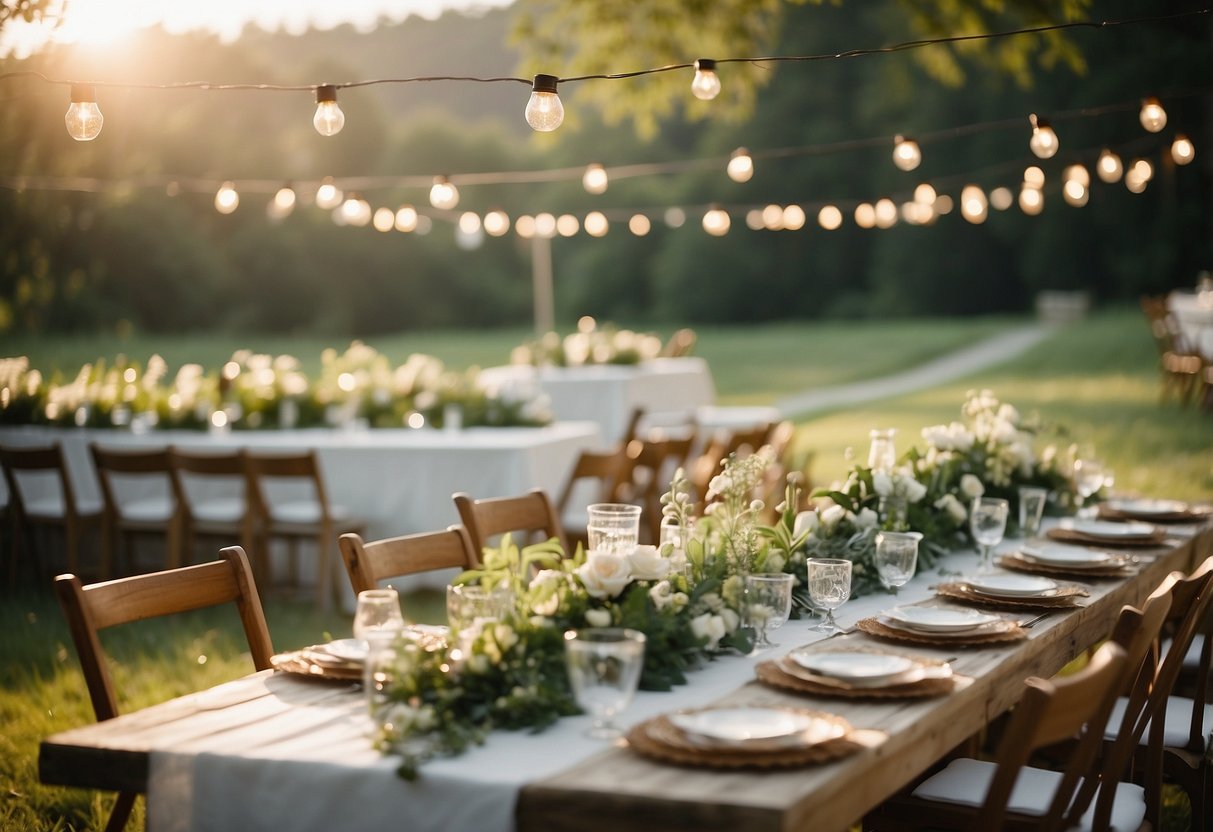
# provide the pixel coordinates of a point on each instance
(299, 663)
(659, 739)
(1066, 598)
(1021, 564)
(1012, 632)
(1188, 516)
(1072, 536)
(772, 673)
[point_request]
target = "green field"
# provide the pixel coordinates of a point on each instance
(1097, 378)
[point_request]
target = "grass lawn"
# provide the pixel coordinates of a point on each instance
(1097, 378)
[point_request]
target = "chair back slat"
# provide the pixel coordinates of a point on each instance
(369, 563)
(531, 513)
(49, 460)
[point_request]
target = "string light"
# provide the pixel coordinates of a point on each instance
(83, 117)
(328, 195)
(544, 112)
(355, 211)
(639, 225)
(675, 217)
(754, 220)
(283, 203)
(594, 180)
(1034, 176)
(907, 155)
(1077, 173)
(384, 219)
(525, 226)
(865, 215)
(1001, 198)
(793, 218)
(1153, 116)
(329, 119)
(545, 225)
(567, 225)
(886, 213)
(596, 224)
(406, 218)
(226, 198)
(1044, 142)
(1182, 150)
(469, 222)
(943, 205)
(924, 194)
(496, 223)
(706, 84)
(829, 217)
(1075, 193)
(716, 221)
(1031, 200)
(443, 194)
(974, 206)
(772, 218)
(1138, 175)
(1109, 167)
(741, 165)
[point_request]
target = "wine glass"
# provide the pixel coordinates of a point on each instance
(896, 558)
(829, 587)
(613, 527)
(377, 621)
(988, 523)
(766, 604)
(1088, 479)
(604, 666)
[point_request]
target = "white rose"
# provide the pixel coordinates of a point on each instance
(832, 516)
(598, 618)
(505, 636)
(866, 519)
(806, 521)
(1008, 413)
(971, 487)
(545, 585)
(708, 628)
(915, 490)
(660, 594)
(731, 620)
(937, 436)
(882, 483)
(954, 508)
(647, 564)
(604, 575)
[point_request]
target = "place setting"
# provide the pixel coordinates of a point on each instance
(1012, 591)
(1065, 560)
(1106, 532)
(857, 673)
(941, 626)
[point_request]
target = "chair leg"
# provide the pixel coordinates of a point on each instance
(324, 571)
(121, 811)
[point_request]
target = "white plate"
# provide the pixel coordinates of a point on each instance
(347, 649)
(1012, 586)
(1070, 556)
(858, 669)
(738, 726)
(1108, 528)
(1148, 507)
(939, 619)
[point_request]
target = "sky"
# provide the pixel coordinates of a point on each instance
(107, 21)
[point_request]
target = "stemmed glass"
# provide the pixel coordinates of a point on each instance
(604, 667)
(377, 621)
(766, 604)
(829, 587)
(896, 558)
(988, 523)
(1088, 479)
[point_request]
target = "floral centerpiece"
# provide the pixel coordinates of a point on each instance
(590, 344)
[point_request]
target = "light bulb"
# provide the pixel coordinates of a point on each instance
(469, 222)
(716, 222)
(1109, 166)
(1001, 199)
(753, 220)
(772, 217)
(544, 112)
(907, 155)
(1044, 142)
(924, 194)
(282, 204)
(829, 218)
(406, 218)
(1031, 200)
(886, 213)
(741, 165)
(793, 218)
(865, 215)
(1075, 193)
(594, 180)
(567, 225)
(973, 204)
(226, 198)
(83, 117)
(706, 84)
(596, 224)
(1153, 116)
(355, 211)
(545, 225)
(675, 217)
(1034, 176)
(384, 219)
(1142, 169)
(328, 195)
(639, 225)
(444, 195)
(1077, 173)
(328, 119)
(496, 223)
(1182, 150)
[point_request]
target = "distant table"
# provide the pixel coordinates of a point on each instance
(608, 393)
(1194, 314)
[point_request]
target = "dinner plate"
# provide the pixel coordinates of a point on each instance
(1012, 586)
(1108, 528)
(1148, 507)
(856, 669)
(347, 649)
(739, 726)
(939, 619)
(1067, 556)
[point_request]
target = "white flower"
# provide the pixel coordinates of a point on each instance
(806, 521)
(731, 590)
(505, 636)
(914, 490)
(833, 515)
(545, 587)
(775, 562)
(647, 564)
(660, 594)
(604, 574)
(731, 620)
(711, 600)
(680, 600)
(882, 483)
(708, 628)
(719, 484)
(598, 618)
(866, 519)
(955, 509)
(971, 487)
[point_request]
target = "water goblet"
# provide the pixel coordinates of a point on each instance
(766, 604)
(613, 527)
(1088, 479)
(896, 558)
(1031, 508)
(988, 524)
(829, 584)
(377, 621)
(604, 665)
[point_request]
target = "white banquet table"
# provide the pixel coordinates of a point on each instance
(272, 750)
(1194, 314)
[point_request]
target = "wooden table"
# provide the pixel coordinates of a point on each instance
(615, 789)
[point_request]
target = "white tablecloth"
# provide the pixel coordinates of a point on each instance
(399, 481)
(1194, 314)
(608, 393)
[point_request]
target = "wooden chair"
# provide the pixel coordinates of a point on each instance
(60, 509)
(125, 518)
(96, 607)
(226, 517)
(531, 513)
(649, 465)
(718, 449)
(1181, 367)
(367, 564)
(312, 518)
(1175, 747)
(604, 470)
(1009, 794)
(681, 343)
